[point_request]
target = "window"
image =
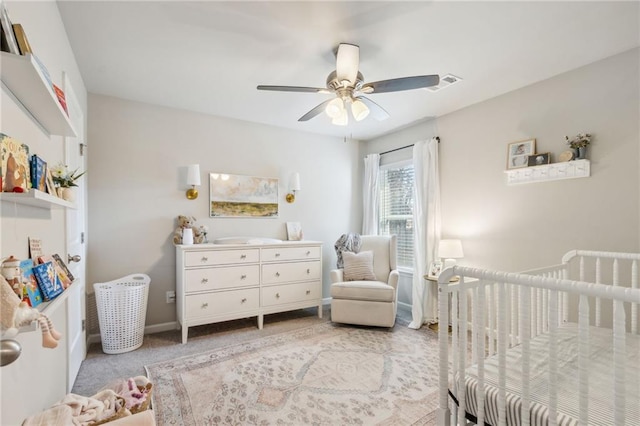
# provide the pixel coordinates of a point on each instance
(396, 208)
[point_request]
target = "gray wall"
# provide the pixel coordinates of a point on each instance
(138, 158)
(520, 227)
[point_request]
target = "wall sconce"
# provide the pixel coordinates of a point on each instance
(193, 179)
(449, 251)
(294, 185)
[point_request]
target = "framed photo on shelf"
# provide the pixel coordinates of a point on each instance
(294, 231)
(539, 159)
(518, 153)
(435, 268)
(51, 188)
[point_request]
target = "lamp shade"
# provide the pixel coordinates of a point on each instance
(359, 110)
(294, 182)
(335, 108)
(450, 249)
(193, 175)
(342, 119)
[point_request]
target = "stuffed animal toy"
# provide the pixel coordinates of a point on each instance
(11, 272)
(14, 314)
(188, 222)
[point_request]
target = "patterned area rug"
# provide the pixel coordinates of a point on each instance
(325, 374)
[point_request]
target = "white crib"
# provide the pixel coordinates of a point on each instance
(537, 348)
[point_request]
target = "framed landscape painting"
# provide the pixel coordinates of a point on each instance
(242, 196)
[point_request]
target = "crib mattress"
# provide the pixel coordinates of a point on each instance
(600, 380)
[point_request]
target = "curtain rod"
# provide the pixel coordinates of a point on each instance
(404, 147)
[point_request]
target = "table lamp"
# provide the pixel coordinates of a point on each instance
(449, 251)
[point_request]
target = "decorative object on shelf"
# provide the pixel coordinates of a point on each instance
(14, 314)
(35, 248)
(187, 236)
(193, 179)
(204, 230)
(294, 185)
(242, 196)
(11, 273)
(188, 222)
(566, 156)
(518, 153)
(294, 231)
(579, 144)
(67, 194)
(435, 268)
(450, 250)
(63, 178)
(14, 165)
(539, 159)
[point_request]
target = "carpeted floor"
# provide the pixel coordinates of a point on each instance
(298, 370)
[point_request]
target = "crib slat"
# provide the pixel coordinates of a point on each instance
(492, 319)
(619, 364)
(634, 306)
(462, 352)
(454, 347)
(480, 339)
(525, 328)
(598, 300)
(502, 355)
(553, 357)
(583, 359)
(443, 382)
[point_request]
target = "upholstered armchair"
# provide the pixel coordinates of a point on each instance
(365, 290)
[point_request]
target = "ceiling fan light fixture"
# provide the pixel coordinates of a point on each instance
(359, 110)
(342, 119)
(335, 108)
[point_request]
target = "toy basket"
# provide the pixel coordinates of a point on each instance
(122, 310)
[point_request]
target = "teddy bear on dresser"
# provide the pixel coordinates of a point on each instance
(15, 313)
(188, 222)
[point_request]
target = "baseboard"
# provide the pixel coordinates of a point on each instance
(404, 306)
(151, 329)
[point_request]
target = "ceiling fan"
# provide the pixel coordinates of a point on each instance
(347, 83)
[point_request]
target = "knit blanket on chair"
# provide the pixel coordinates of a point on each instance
(347, 242)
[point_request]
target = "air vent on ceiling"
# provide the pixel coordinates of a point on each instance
(445, 81)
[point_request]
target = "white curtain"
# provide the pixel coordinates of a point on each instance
(370, 195)
(426, 225)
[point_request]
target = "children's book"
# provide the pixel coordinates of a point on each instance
(63, 266)
(29, 280)
(62, 276)
(14, 164)
(38, 173)
(48, 281)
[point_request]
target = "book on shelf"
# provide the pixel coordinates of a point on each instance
(14, 164)
(21, 38)
(61, 98)
(9, 42)
(38, 173)
(31, 284)
(62, 276)
(63, 266)
(51, 187)
(44, 71)
(35, 248)
(48, 281)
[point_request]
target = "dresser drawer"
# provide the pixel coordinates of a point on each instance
(290, 293)
(290, 253)
(211, 304)
(221, 257)
(203, 279)
(275, 273)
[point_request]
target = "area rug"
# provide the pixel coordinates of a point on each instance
(326, 374)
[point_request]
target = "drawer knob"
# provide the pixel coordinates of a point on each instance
(277, 254)
(204, 259)
(308, 291)
(244, 299)
(243, 256)
(277, 295)
(308, 271)
(277, 274)
(205, 280)
(205, 305)
(243, 276)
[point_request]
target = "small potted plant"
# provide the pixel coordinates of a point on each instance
(65, 180)
(579, 144)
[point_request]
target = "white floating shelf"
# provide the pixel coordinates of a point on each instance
(36, 198)
(548, 172)
(23, 77)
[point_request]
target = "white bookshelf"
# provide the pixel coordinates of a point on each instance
(36, 198)
(549, 172)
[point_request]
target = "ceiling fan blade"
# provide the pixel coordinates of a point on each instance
(376, 110)
(293, 89)
(347, 62)
(315, 111)
(403, 83)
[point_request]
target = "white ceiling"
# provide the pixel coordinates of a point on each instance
(210, 56)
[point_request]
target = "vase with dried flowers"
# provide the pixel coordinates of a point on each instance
(65, 180)
(579, 144)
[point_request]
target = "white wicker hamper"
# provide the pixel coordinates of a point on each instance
(122, 309)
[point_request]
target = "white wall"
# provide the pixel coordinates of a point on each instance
(138, 154)
(32, 383)
(520, 227)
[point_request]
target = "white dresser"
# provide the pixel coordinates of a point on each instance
(221, 282)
